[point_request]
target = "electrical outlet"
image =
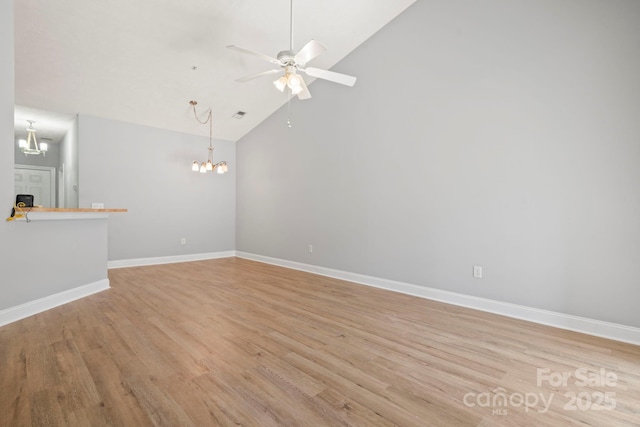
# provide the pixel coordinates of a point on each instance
(97, 205)
(310, 248)
(477, 271)
(183, 241)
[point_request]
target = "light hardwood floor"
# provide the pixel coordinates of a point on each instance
(234, 342)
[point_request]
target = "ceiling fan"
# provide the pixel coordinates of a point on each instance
(291, 62)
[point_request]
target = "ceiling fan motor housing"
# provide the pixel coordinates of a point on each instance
(286, 57)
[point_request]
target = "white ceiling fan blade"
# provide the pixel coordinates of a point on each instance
(308, 52)
(330, 75)
(250, 52)
(305, 94)
(256, 75)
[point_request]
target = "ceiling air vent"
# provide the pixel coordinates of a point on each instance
(239, 115)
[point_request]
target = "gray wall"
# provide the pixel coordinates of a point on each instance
(148, 171)
(501, 134)
(40, 258)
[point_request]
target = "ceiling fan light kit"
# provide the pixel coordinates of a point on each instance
(208, 166)
(292, 62)
(291, 80)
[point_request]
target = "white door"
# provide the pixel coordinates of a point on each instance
(38, 182)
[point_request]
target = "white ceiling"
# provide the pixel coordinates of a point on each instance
(132, 60)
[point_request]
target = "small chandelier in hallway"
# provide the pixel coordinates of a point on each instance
(30, 146)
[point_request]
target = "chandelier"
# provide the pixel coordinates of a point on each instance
(30, 146)
(220, 167)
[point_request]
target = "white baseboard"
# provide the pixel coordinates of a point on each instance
(584, 325)
(139, 262)
(30, 308)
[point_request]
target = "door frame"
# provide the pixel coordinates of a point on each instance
(61, 192)
(52, 177)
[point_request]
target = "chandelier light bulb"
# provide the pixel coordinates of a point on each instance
(209, 165)
(195, 167)
(203, 168)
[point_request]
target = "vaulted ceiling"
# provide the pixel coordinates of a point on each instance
(142, 61)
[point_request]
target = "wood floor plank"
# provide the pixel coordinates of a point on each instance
(232, 342)
(352, 412)
(42, 369)
(77, 388)
(15, 395)
(232, 405)
(46, 410)
(117, 400)
(92, 416)
(202, 403)
(157, 404)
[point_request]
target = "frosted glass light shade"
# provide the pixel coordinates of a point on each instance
(293, 81)
(281, 83)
